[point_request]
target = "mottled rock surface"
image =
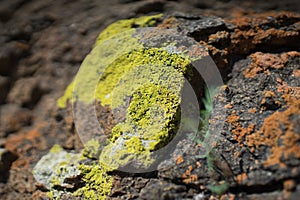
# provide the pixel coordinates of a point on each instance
(256, 48)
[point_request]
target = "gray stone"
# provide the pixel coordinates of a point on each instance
(56, 167)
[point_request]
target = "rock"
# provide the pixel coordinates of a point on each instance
(4, 87)
(26, 92)
(159, 189)
(5, 14)
(150, 6)
(252, 123)
(135, 100)
(15, 118)
(57, 49)
(10, 53)
(128, 187)
(71, 175)
(6, 159)
(56, 167)
(21, 180)
(127, 1)
(200, 27)
(7, 9)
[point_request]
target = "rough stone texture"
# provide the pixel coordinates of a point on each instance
(26, 92)
(254, 47)
(6, 158)
(56, 167)
(15, 118)
(4, 85)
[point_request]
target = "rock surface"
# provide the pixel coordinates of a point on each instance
(256, 48)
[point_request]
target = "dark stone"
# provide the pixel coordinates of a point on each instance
(201, 28)
(10, 53)
(150, 6)
(162, 190)
(4, 87)
(6, 159)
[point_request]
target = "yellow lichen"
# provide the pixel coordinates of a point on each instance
(154, 65)
(91, 149)
(127, 24)
(97, 183)
(56, 149)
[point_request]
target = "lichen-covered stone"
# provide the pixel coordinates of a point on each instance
(140, 75)
(64, 173)
(115, 28)
(56, 167)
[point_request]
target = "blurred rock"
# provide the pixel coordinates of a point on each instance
(8, 7)
(10, 53)
(4, 87)
(56, 167)
(145, 7)
(14, 118)
(6, 158)
(21, 180)
(159, 189)
(26, 92)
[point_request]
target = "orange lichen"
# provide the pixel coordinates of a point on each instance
(217, 36)
(288, 91)
(228, 106)
(296, 72)
(233, 119)
(238, 131)
(224, 197)
(293, 54)
(252, 110)
(245, 41)
(278, 133)
(289, 185)
(168, 23)
(261, 62)
(191, 179)
(251, 31)
(179, 160)
(258, 19)
(24, 144)
(198, 164)
(236, 154)
(241, 178)
(269, 94)
(188, 177)
(189, 170)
